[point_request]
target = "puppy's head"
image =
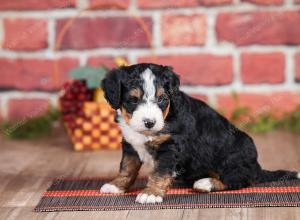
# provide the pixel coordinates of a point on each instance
(143, 93)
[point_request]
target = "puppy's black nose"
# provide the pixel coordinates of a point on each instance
(149, 123)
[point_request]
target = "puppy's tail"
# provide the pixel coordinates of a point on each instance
(278, 175)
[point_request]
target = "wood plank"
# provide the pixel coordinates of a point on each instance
(211, 214)
(282, 213)
(25, 212)
(90, 215)
(165, 214)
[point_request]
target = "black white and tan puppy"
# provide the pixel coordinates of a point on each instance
(181, 137)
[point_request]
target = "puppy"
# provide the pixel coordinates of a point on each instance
(181, 137)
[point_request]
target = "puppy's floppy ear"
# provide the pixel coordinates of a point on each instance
(111, 85)
(172, 81)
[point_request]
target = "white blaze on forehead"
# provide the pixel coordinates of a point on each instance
(148, 86)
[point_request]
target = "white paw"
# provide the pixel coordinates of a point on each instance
(298, 175)
(110, 188)
(146, 198)
(203, 185)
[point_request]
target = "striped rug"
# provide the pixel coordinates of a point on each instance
(84, 195)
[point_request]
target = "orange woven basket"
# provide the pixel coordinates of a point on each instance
(97, 129)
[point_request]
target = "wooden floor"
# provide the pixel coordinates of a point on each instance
(27, 168)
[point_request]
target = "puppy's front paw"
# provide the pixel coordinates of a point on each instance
(148, 198)
(110, 188)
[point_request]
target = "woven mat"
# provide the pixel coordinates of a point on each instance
(84, 195)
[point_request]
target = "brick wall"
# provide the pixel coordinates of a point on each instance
(217, 46)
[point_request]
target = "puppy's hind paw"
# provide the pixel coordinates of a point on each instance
(110, 188)
(146, 198)
(203, 185)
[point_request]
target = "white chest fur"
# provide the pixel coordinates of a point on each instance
(137, 141)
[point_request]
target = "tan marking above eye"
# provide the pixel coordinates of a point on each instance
(136, 92)
(160, 91)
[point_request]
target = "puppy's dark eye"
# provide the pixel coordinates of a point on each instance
(161, 99)
(133, 100)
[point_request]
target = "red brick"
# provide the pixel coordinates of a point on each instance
(166, 3)
(146, 4)
(1, 113)
(36, 4)
(35, 74)
(183, 29)
(22, 109)
(297, 64)
(25, 34)
(265, 2)
(260, 103)
(247, 28)
(194, 69)
(109, 4)
(201, 97)
(215, 2)
(102, 61)
(123, 32)
(262, 68)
